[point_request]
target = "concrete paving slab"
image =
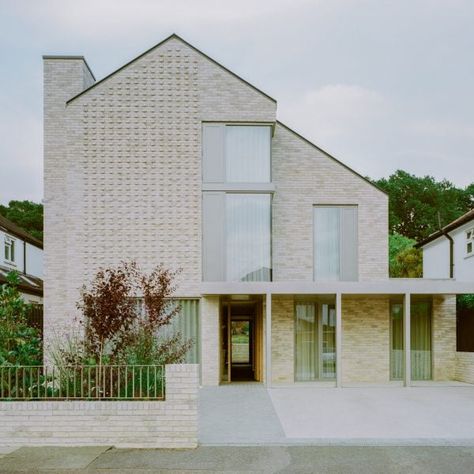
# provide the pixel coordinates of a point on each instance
(238, 414)
(207, 459)
(285, 459)
(423, 415)
(50, 457)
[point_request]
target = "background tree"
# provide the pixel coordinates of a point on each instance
(26, 214)
(19, 343)
(414, 203)
(405, 261)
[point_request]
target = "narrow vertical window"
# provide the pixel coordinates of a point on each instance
(315, 341)
(420, 341)
(9, 249)
(248, 253)
(396, 341)
(470, 242)
(335, 243)
(306, 342)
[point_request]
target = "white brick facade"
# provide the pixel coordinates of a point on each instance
(172, 423)
(123, 181)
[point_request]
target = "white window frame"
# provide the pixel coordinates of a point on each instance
(9, 243)
(469, 240)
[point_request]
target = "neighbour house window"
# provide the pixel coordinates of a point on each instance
(470, 242)
(236, 208)
(335, 243)
(9, 252)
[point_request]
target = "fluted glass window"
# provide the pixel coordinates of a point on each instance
(315, 341)
(247, 229)
(335, 243)
(247, 154)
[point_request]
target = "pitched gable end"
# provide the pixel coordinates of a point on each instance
(173, 36)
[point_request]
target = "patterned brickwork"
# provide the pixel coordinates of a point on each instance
(444, 337)
(283, 317)
(123, 162)
(210, 341)
(365, 340)
(304, 176)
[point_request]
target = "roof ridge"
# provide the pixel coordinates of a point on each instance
(172, 36)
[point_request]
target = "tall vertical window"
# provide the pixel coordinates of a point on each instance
(247, 237)
(420, 341)
(470, 242)
(315, 341)
(236, 205)
(335, 243)
(9, 249)
(396, 341)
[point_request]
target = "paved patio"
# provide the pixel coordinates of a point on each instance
(249, 414)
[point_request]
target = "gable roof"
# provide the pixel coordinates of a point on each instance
(465, 218)
(11, 228)
(172, 36)
(332, 157)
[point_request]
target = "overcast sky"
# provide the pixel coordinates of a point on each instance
(379, 84)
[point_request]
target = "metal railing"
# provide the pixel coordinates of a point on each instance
(106, 382)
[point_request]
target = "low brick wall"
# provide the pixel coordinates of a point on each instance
(171, 423)
(465, 367)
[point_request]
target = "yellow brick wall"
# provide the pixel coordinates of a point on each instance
(464, 367)
(444, 337)
(365, 340)
(283, 338)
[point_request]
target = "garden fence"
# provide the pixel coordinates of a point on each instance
(106, 382)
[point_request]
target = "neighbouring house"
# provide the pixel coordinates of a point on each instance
(22, 253)
(174, 159)
(449, 252)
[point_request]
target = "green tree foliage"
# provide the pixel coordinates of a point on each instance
(26, 214)
(466, 301)
(19, 343)
(414, 203)
(116, 330)
(405, 261)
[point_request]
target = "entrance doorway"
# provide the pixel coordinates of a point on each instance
(242, 349)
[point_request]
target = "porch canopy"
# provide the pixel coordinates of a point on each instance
(389, 286)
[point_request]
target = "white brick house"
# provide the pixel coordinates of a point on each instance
(22, 253)
(174, 159)
(450, 250)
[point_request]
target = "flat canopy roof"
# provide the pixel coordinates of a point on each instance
(390, 286)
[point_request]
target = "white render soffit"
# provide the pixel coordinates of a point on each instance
(392, 286)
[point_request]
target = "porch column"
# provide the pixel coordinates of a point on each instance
(338, 340)
(407, 340)
(268, 339)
